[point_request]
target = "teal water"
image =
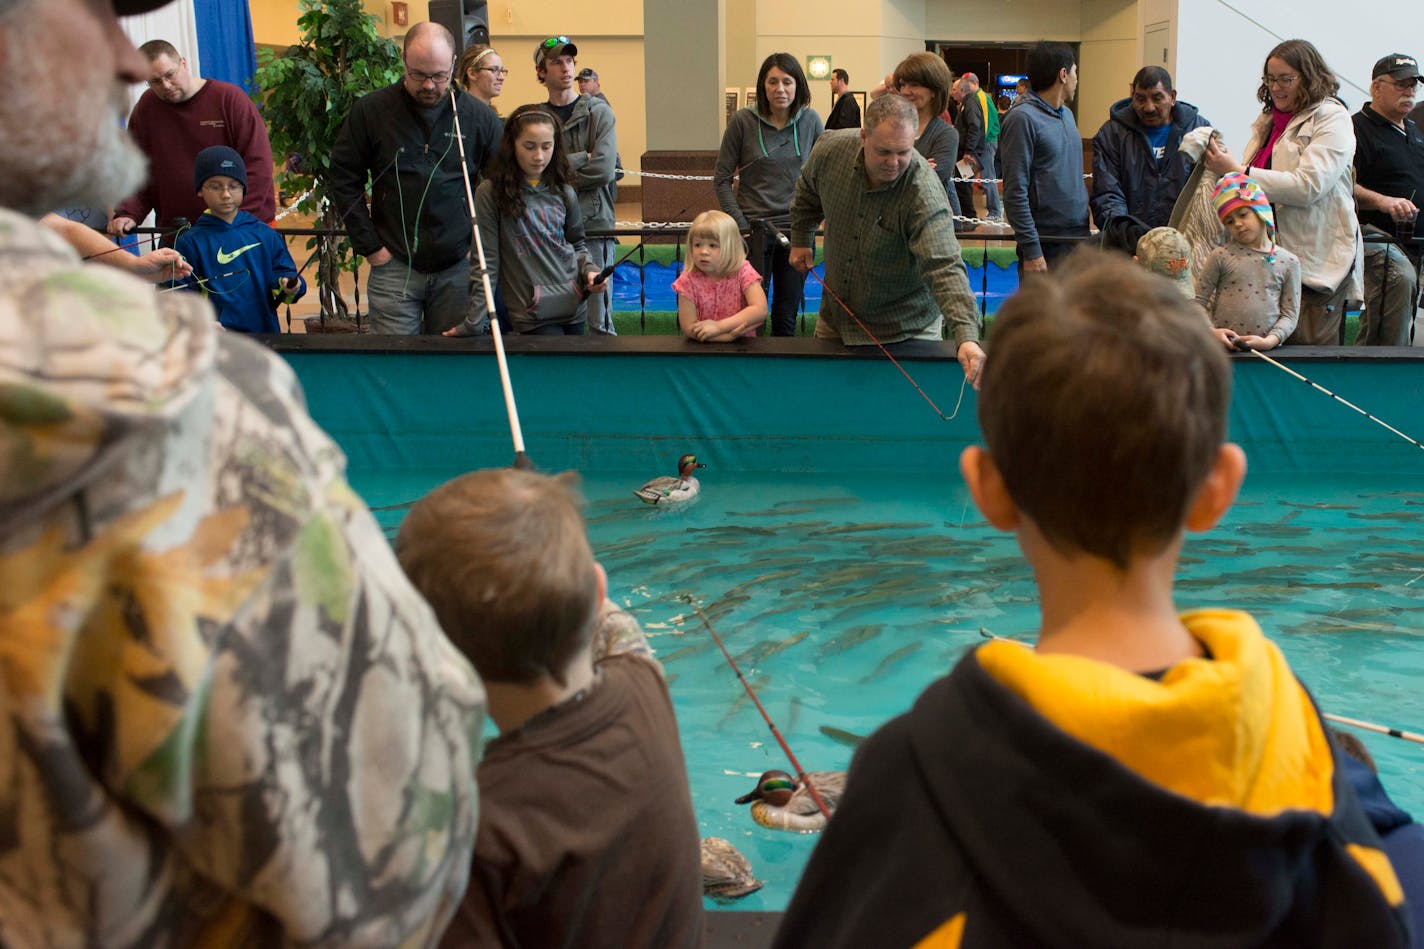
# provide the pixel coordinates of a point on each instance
(843, 597)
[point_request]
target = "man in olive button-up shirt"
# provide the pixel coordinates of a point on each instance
(891, 254)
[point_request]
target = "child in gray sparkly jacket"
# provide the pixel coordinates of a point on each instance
(532, 233)
(1250, 285)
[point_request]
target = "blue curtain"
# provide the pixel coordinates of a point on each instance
(225, 44)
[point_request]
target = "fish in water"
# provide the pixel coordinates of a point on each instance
(741, 700)
(818, 502)
(851, 637)
(1390, 516)
(866, 528)
(889, 661)
(841, 736)
(781, 802)
(767, 648)
(692, 649)
(733, 530)
(726, 874)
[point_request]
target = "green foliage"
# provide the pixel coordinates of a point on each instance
(306, 92)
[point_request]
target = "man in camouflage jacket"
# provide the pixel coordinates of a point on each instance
(226, 718)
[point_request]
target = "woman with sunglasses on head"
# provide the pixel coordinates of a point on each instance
(764, 148)
(481, 73)
(1301, 151)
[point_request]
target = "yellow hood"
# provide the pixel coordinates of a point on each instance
(1235, 730)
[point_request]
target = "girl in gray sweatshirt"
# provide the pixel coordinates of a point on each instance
(532, 233)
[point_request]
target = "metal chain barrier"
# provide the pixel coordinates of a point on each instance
(634, 173)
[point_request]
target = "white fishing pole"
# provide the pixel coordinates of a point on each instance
(1242, 347)
(1372, 727)
(521, 460)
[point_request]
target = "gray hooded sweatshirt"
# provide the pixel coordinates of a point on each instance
(767, 161)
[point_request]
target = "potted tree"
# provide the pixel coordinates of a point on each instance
(305, 93)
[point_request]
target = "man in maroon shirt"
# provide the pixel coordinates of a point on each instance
(179, 116)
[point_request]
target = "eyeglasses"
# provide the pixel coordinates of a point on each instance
(1285, 82)
(167, 77)
(1403, 85)
(421, 78)
(217, 187)
(497, 70)
(554, 41)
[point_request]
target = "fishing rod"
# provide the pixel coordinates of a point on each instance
(784, 242)
(1372, 727)
(1241, 346)
(800, 771)
(521, 460)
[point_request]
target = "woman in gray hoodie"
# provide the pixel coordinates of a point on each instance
(764, 148)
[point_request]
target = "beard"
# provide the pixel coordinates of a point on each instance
(61, 154)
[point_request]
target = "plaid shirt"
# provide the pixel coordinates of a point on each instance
(890, 254)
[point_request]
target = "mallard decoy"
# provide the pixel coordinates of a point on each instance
(726, 874)
(780, 802)
(669, 490)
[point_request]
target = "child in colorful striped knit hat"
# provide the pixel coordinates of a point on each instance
(1250, 285)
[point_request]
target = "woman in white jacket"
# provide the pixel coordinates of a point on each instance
(1301, 151)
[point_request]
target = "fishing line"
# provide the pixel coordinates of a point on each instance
(1242, 347)
(521, 460)
(800, 771)
(782, 240)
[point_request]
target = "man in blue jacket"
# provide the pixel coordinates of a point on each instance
(1138, 171)
(1045, 200)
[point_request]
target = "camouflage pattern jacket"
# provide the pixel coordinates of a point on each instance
(226, 718)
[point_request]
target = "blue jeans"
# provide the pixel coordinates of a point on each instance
(599, 306)
(406, 302)
(992, 207)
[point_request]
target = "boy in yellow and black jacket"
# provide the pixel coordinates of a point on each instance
(1136, 777)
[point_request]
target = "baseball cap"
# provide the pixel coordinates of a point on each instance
(133, 7)
(1164, 251)
(586, 73)
(554, 46)
(1398, 66)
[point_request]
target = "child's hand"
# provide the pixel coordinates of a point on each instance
(1227, 338)
(290, 285)
(1269, 341)
(595, 283)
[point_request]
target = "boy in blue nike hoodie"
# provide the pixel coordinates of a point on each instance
(240, 264)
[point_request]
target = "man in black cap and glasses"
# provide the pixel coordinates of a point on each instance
(591, 143)
(1389, 188)
(226, 718)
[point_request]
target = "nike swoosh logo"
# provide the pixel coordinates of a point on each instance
(225, 258)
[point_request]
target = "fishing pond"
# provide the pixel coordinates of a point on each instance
(834, 547)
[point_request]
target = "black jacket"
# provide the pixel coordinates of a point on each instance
(1127, 181)
(418, 209)
(845, 114)
(969, 123)
(973, 816)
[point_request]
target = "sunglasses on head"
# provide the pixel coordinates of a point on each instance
(553, 41)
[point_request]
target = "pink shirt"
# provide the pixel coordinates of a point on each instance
(717, 299)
